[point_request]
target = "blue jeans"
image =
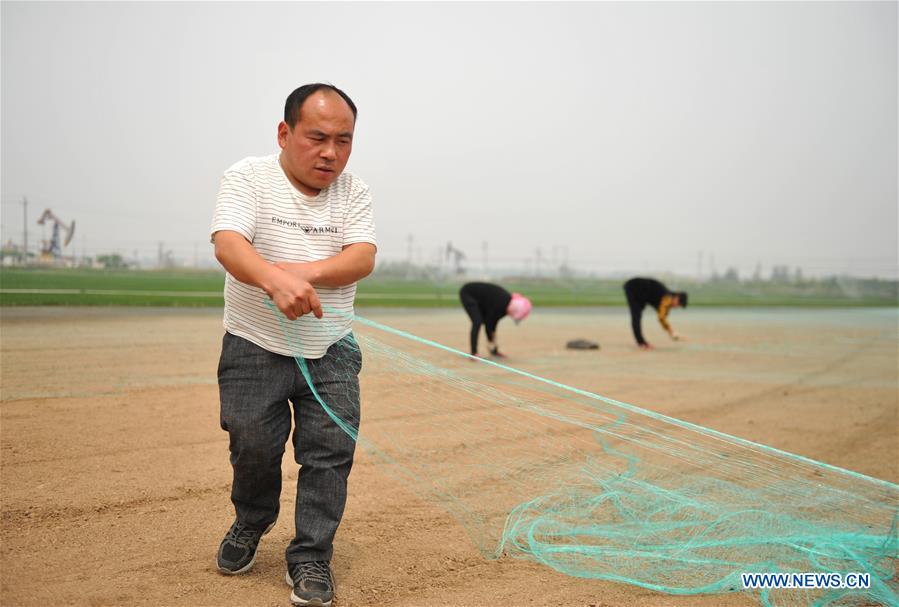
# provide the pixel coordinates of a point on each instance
(256, 389)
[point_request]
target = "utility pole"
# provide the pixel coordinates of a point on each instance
(25, 237)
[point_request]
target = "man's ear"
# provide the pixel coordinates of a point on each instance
(283, 131)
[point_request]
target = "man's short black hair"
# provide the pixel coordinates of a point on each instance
(296, 99)
(682, 298)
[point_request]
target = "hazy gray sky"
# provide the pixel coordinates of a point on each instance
(631, 136)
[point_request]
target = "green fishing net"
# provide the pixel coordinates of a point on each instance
(601, 489)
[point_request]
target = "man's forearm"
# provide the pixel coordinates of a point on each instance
(352, 264)
(242, 261)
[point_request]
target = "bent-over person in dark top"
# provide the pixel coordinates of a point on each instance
(641, 292)
(486, 303)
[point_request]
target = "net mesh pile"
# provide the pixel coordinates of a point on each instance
(597, 488)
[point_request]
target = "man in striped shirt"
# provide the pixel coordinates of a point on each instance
(294, 232)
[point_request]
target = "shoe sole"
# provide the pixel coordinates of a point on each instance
(295, 600)
(252, 562)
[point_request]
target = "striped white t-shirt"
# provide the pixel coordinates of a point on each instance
(256, 200)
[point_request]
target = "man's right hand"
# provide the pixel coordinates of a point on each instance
(293, 296)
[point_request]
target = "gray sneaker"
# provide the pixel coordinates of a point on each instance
(237, 552)
(312, 583)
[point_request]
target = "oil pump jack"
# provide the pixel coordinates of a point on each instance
(52, 250)
(458, 256)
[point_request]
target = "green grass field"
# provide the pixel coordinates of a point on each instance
(184, 288)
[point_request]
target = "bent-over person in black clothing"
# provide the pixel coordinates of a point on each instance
(643, 291)
(486, 304)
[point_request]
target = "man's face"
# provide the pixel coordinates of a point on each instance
(315, 151)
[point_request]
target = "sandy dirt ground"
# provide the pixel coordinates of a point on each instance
(115, 476)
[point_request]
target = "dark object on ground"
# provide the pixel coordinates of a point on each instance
(582, 344)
